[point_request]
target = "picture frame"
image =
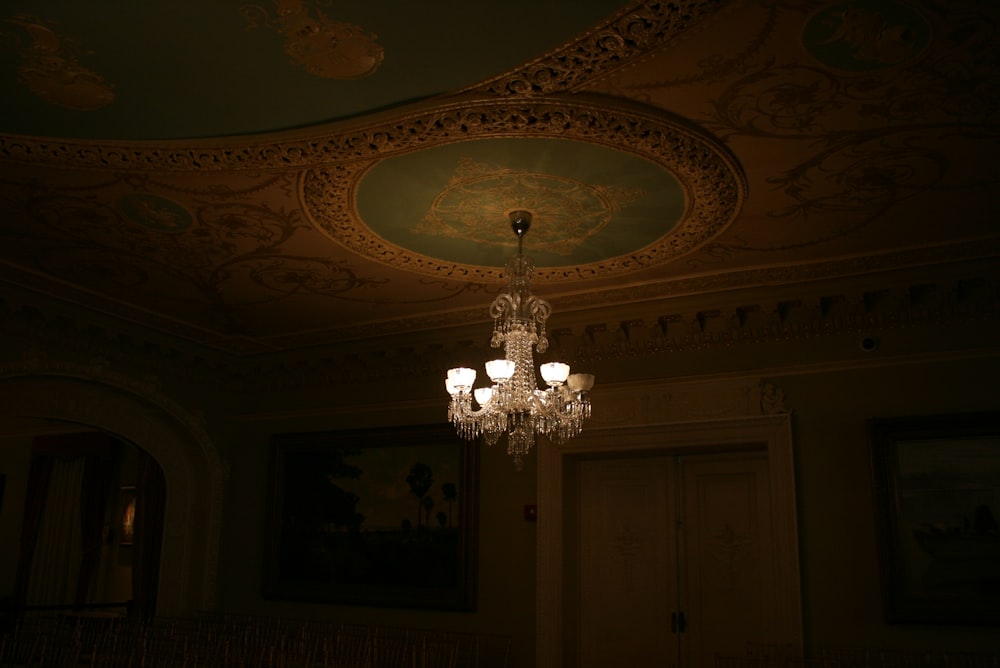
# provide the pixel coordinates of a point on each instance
(127, 524)
(375, 517)
(937, 502)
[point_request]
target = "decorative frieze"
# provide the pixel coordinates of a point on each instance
(643, 331)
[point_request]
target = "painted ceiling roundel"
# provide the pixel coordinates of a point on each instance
(611, 190)
(866, 36)
(589, 203)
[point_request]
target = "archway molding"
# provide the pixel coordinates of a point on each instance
(138, 412)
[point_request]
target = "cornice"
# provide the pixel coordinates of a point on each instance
(831, 271)
(967, 300)
(645, 320)
(664, 328)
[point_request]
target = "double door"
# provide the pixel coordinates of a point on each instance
(674, 560)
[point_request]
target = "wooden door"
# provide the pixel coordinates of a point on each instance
(673, 562)
(627, 589)
(727, 578)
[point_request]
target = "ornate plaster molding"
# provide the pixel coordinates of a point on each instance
(658, 402)
(631, 33)
(621, 125)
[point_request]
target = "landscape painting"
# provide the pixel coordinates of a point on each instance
(937, 493)
(380, 517)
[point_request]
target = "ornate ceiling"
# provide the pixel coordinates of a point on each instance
(257, 177)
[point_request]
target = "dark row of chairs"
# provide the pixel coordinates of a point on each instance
(247, 642)
(776, 655)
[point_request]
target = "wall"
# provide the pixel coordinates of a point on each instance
(840, 575)
(506, 581)
(831, 387)
(831, 403)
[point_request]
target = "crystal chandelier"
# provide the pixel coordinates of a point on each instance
(513, 404)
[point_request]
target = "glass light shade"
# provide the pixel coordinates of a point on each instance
(449, 385)
(462, 378)
(483, 395)
(554, 373)
(580, 382)
(499, 370)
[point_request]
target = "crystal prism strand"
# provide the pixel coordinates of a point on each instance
(494, 420)
(520, 438)
(518, 348)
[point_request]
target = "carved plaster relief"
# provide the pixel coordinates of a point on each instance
(666, 401)
(50, 66)
(323, 46)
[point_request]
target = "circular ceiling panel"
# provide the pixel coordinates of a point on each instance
(612, 190)
(590, 203)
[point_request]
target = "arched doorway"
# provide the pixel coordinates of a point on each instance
(91, 526)
(139, 414)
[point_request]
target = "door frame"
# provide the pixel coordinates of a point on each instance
(771, 433)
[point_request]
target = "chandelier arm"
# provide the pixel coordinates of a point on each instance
(503, 305)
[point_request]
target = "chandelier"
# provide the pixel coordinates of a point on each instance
(513, 404)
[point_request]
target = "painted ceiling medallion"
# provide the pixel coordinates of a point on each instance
(324, 47)
(479, 194)
(866, 35)
(155, 212)
(592, 203)
(50, 68)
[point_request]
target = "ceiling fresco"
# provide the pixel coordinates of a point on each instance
(589, 203)
(261, 176)
(161, 70)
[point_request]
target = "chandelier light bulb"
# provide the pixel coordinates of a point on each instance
(554, 373)
(462, 378)
(580, 382)
(483, 395)
(499, 370)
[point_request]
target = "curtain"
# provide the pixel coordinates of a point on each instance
(98, 476)
(69, 482)
(55, 566)
(150, 503)
(39, 475)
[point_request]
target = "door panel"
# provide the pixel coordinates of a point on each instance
(726, 558)
(627, 563)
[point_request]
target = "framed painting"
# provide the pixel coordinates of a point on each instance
(128, 514)
(380, 517)
(937, 499)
